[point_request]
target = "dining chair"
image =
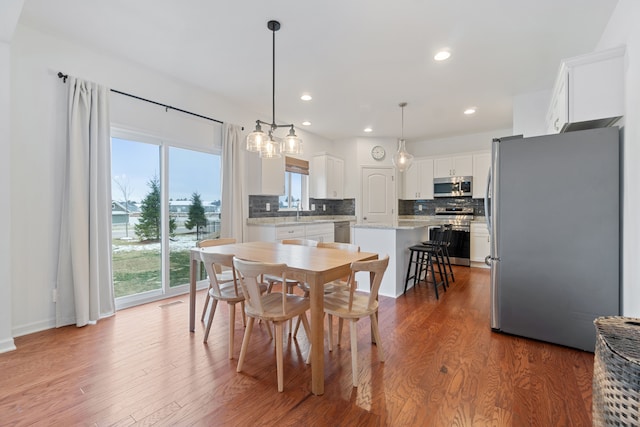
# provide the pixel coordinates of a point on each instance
(274, 307)
(336, 285)
(354, 305)
(222, 275)
(226, 291)
(290, 284)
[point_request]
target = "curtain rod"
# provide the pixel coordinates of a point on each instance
(167, 107)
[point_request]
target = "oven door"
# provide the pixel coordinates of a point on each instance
(460, 245)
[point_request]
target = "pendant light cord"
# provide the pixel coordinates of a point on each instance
(273, 79)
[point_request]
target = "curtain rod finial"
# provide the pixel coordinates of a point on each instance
(63, 76)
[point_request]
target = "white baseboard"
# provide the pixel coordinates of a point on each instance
(7, 345)
(34, 327)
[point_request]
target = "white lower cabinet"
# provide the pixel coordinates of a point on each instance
(322, 232)
(480, 244)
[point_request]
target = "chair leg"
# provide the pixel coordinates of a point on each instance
(245, 343)
(279, 361)
(232, 327)
(330, 320)
(206, 304)
(214, 304)
(340, 323)
(376, 334)
(295, 331)
(307, 329)
(244, 315)
(354, 351)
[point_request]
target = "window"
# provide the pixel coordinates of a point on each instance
(164, 199)
(296, 185)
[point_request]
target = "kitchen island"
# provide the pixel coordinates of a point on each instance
(394, 240)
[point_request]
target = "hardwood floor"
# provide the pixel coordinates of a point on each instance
(443, 367)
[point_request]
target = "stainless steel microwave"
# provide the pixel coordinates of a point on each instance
(453, 186)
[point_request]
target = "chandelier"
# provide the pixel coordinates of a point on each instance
(402, 160)
(268, 145)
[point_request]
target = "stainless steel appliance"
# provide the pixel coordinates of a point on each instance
(453, 186)
(342, 232)
(460, 221)
(553, 216)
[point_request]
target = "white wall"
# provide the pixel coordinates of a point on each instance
(529, 113)
(623, 29)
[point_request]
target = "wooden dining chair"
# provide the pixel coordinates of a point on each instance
(229, 292)
(223, 276)
(275, 307)
(354, 305)
(290, 284)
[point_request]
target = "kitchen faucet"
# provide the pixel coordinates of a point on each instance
(298, 212)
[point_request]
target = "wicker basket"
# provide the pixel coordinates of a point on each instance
(616, 372)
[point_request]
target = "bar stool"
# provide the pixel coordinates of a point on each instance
(422, 258)
(441, 241)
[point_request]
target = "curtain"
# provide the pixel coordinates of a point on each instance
(84, 282)
(232, 212)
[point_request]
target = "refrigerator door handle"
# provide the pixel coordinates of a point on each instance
(487, 210)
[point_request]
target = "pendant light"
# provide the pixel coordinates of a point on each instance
(267, 144)
(402, 160)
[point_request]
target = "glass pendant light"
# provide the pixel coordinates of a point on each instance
(402, 160)
(269, 146)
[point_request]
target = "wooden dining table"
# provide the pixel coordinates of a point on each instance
(315, 266)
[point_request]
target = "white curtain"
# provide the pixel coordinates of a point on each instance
(84, 283)
(232, 212)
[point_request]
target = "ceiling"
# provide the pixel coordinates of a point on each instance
(358, 58)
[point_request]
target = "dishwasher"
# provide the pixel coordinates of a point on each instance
(342, 232)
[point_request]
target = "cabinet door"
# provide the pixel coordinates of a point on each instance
(425, 177)
(442, 167)
(481, 166)
(480, 243)
(411, 182)
(462, 166)
(335, 178)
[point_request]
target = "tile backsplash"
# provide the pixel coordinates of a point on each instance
(257, 207)
(412, 207)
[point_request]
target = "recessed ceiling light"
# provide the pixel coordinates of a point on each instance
(442, 55)
(306, 123)
(306, 97)
(367, 130)
(470, 111)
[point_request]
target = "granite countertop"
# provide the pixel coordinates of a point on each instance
(283, 221)
(395, 226)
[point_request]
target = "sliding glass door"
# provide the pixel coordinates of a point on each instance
(164, 199)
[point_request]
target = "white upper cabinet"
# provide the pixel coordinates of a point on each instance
(326, 177)
(589, 92)
(267, 175)
(418, 180)
(453, 166)
(481, 166)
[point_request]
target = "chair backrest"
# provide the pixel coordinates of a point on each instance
(250, 272)
(215, 242)
(337, 245)
(301, 242)
(376, 268)
(212, 262)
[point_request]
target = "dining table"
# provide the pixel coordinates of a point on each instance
(312, 265)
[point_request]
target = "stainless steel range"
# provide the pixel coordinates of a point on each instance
(460, 221)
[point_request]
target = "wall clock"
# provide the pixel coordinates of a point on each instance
(378, 152)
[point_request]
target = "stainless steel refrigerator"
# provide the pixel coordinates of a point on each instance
(554, 218)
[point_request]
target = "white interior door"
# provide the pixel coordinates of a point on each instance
(378, 195)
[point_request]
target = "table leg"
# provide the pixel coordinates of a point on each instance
(317, 337)
(192, 293)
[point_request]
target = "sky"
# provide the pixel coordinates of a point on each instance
(134, 164)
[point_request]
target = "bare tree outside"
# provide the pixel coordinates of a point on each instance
(122, 182)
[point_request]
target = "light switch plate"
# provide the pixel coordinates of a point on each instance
(313, 206)
(268, 207)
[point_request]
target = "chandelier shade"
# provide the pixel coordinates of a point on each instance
(401, 159)
(266, 144)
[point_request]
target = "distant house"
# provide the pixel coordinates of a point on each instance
(120, 211)
(182, 206)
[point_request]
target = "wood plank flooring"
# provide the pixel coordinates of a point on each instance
(443, 367)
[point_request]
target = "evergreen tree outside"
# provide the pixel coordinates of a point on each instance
(149, 227)
(197, 217)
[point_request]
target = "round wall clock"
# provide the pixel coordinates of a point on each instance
(378, 152)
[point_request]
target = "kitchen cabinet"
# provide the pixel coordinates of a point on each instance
(453, 166)
(267, 175)
(326, 177)
(480, 244)
(321, 232)
(418, 180)
(589, 92)
(481, 166)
